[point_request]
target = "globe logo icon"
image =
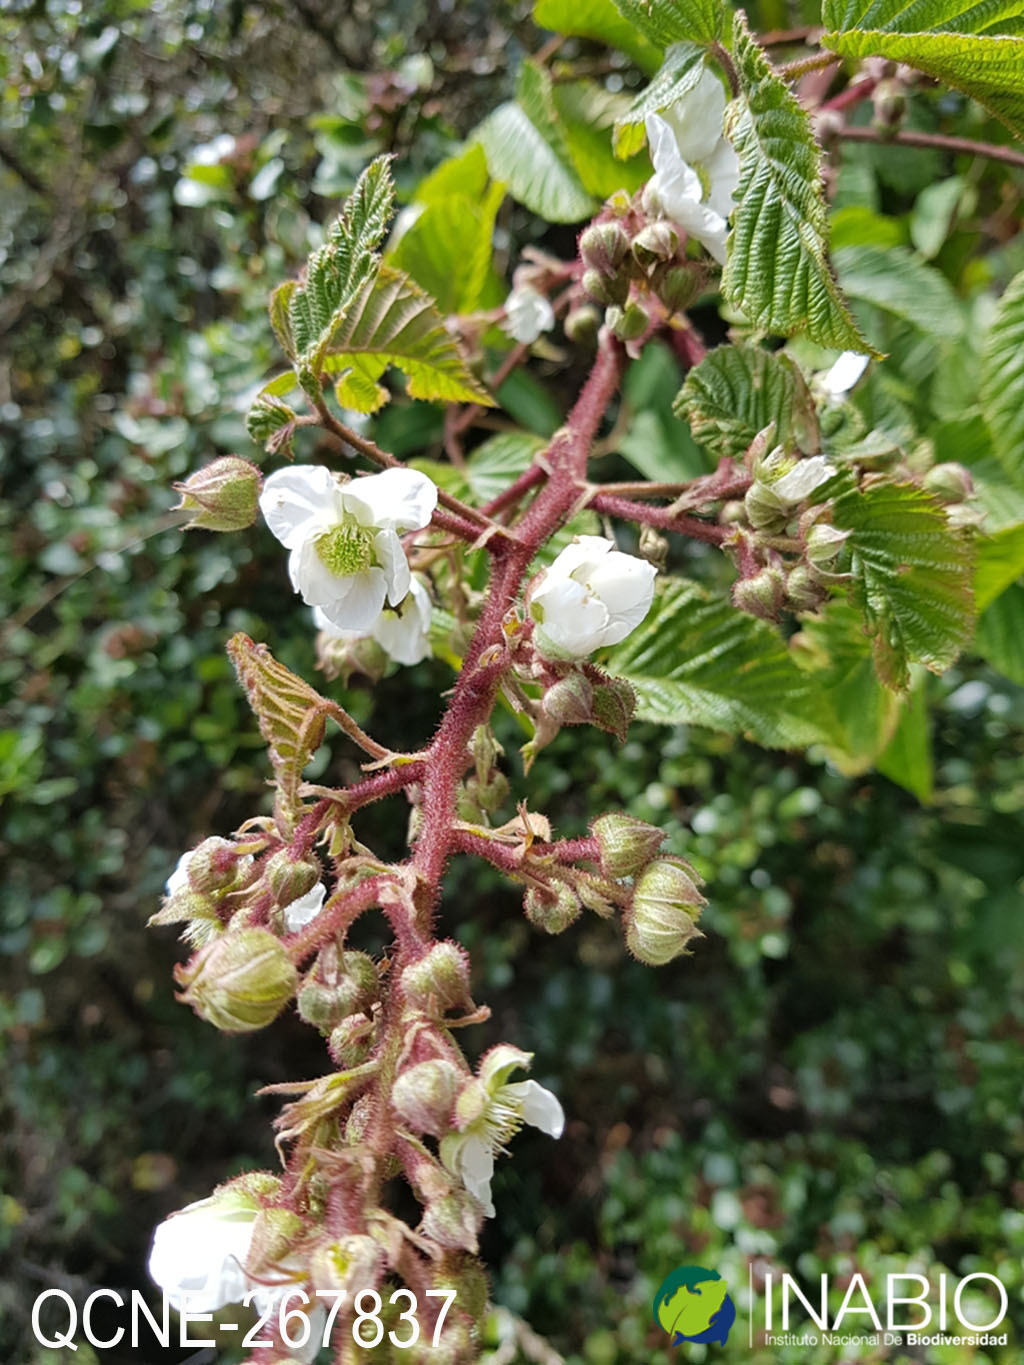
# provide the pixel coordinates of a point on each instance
(693, 1304)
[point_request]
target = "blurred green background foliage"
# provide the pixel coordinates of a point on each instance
(832, 1082)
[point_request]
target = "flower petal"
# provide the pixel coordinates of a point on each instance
(312, 579)
(322, 623)
(723, 172)
(199, 1255)
(696, 118)
(402, 499)
(303, 909)
(539, 1107)
(391, 558)
(360, 602)
(178, 880)
(844, 374)
(403, 633)
(625, 584)
(527, 314)
(297, 501)
(801, 481)
(476, 1167)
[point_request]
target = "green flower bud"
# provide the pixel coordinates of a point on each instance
(823, 544)
(627, 845)
(338, 984)
(452, 1222)
(890, 104)
(679, 287)
(765, 510)
(344, 659)
(762, 594)
(660, 920)
(424, 1095)
(553, 908)
(351, 1040)
(224, 496)
(216, 867)
(274, 1234)
(614, 704)
(627, 323)
(439, 980)
(804, 588)
(288, 877)
(582, 325)
(949, 483)
(240, 982)
(570, 701)
(655, 243)
(603, 246)
(605, 288)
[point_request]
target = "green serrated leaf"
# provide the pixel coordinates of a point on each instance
(669, 21)
(697, 660)
(465, 173)
(527, 147)
(600, 20)
(899, 283)
(912, 577)
(337, 271)
(392, 319)
(280, 316)
(680, 72)
(1002, 380)
(777, 269)
(448, 249)
(357, 388)
(907, 759)
(268, 419)
(966, 45)
(736, 391)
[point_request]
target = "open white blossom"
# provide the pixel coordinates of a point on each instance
(489, 1112)
(401, 631)
(527, 314)
(198, 1260)
(346, 557)
(299, 912)
(696, 166)
(844, 374)
(591, 596)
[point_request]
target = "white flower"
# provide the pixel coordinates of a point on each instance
(527, 314)
(299, 912)
(844, 374)
(401, 631)
(346, 556)
(696, 166)
(592, 595)
(178, 880)
(489, 1112)
(800, 482)
(198, 1260)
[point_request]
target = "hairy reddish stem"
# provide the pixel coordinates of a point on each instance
(661, 518)
(940, 141)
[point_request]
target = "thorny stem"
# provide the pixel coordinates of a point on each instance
(820, 61)
(661, 518)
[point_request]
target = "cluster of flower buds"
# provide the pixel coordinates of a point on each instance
(485, 790)
(204, 890)
(627, 259)
(224, 496)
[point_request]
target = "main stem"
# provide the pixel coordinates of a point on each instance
(474, 694)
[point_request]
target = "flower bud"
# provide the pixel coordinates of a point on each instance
(949, 483)
(603, 246)
(627, 845)
(424, 1095)
(239, 982)
(216, 867)
(197, 913)
(823, 544)
(765, 509)
(804, 589)
(222, 497)
(678, 287)
(627, 323)
(762, 594)
(655, 243)
(288, 877)
(614, 704)
(338, 984)
(452, 1222)
(569, 701)
(660, 920)
(582, 325)
(351, 1040)
(340, 658)
(552, 908)
(890, 104)
(439, 980)
(347, 1266)
(605, 288)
